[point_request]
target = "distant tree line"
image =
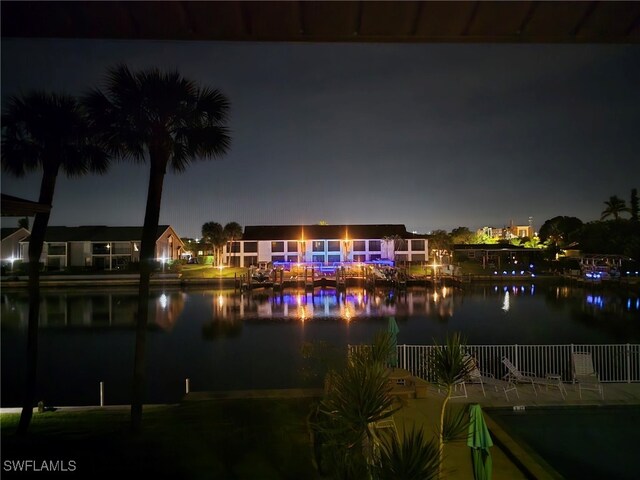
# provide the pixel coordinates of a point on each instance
(617, 232)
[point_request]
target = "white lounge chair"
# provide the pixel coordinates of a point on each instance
(517, 376)
(584, 375)
(476, 376)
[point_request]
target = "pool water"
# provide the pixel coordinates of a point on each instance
(579, 442)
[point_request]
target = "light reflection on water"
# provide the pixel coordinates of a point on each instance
(329, 303)
(224, 340)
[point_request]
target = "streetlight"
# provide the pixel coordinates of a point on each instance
(110, 256)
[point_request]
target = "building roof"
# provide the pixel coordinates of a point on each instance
(490, 246)
(321, 232)
(96, 233)
(329, 21)
(8, 231)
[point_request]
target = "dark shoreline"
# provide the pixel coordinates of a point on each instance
(174, 281)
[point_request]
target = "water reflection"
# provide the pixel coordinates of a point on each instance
(349, 305)
(225, 340)
(505, 302)
(118, 308)
(90, 309)
(597, 302)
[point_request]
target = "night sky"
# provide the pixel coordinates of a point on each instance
(433, 136)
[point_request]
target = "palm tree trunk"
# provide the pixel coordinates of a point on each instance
(147, 258)
(36, 243)
(441, 437)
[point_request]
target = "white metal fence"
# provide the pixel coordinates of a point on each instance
(614, 363)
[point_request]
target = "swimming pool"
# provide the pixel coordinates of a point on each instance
(579, 442)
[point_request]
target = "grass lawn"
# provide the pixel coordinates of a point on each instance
(209, 439)
(208, 271)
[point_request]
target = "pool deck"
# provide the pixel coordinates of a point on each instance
(511, 459)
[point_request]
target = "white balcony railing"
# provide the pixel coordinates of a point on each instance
(614, 363)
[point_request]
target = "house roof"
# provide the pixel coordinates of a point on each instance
(313, 232)
(96, 233)
(8, 231)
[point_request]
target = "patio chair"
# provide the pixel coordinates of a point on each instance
(517, 376)
(477, 376)
(387, 422)
(584, 375)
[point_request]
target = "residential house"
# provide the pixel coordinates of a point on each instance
(326, 244)
(10, 250)
(102, 247)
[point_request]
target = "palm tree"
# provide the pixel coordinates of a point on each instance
(357, 397)
(440, 243)
(398, 242)
(232, 232)
(169, 121)
(450, 366)
(533, 242)
(633, 209)
(413, 457)
(615, 206)
(50, 132)
(213, 233)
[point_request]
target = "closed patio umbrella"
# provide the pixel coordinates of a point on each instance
(480, 441)
(393, 332)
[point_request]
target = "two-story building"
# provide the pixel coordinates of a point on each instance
(326, 244)
(102, 247)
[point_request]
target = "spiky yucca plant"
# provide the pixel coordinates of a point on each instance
(358, 396)
(409, 458)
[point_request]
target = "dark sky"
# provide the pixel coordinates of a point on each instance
(433, 136)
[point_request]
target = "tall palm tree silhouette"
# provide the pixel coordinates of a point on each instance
(214, 234)
(169, 121)
(233, 232)
(45, 131)
(614, 207)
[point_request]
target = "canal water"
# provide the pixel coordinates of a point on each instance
(225, 340)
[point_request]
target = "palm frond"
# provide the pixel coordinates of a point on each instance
(449, 363)
(151, 112)
(49, 131)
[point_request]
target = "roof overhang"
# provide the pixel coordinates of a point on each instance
(19, 207)
(329, 21)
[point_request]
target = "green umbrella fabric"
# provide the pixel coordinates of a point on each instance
(393, 331)
(480, 441)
